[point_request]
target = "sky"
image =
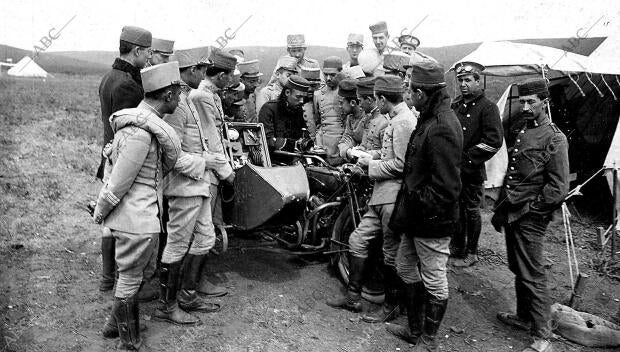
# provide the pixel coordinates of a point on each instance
(96, 25)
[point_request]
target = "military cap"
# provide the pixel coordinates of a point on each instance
(467, 68)
(163, 46)
(532, 86)
(395, 62)
(409, 39)
(347, 88)
(238, 86)
(379, 27)
(287, 62)
(190, 57)
(312, 74)
(389, 84)
(249, 68)
(238, 53)
(223, 60)
(355, 39)
(354, 72)
(332, 64)
(160, 76)
(366, 86)
(427, 74)
(295, 41)
(137, 36)
(298, 83)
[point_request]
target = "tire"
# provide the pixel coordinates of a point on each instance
(373, 287)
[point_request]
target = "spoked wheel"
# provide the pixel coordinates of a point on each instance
(221, 240)
(372, 289)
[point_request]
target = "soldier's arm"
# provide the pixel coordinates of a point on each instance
(346, 141)
(492, 136)
(393, 168)
(376, 153)
(190, 165)
(266, 116)
(557, 175)
(130, 159)
(126, 95)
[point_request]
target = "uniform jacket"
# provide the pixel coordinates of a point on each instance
(267, 93)
(209, 108)
(374, 128)
(537, 176)
(483, 134)
(330, 121)
(283, 126)
(189, 178)
(427, 205)
(353, 132)
(120, 88)
(143, 150)
(250, 108)
(387, 171)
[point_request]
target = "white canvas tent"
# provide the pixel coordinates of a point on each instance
(26, 67)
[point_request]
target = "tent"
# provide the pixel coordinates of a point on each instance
(585, 95)
(26, 67)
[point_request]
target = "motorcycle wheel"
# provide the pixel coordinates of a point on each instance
(373, 287)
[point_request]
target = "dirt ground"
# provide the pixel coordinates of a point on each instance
(50, 259)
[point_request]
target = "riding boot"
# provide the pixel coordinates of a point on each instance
(352, 300)
(389, 309)
(415, 301)
(126, 313)
(169, 309)
(435, 310)
(188, 296)
(108, 264)
(204, 286)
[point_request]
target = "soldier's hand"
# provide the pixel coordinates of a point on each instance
(230, 179)
(214, 161)
(364, 160)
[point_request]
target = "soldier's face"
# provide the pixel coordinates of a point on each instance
(224, 79)
(142, 56)
(330, 80)
(172, 99)
(354, 51)
(531, 106)
(367, 103)
(294, 97)
(407, 97)
(418, 98)
(250, 83)
(158, 58)
(407, 48)
(469, 85)
(297, 53)
(380, 40)
(345, 105)
(382, 104)
(283, 75)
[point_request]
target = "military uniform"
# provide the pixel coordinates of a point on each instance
(267, 93)
(536, 183)
(353, 132)
(329, 115)
(374, 127)
(250, 114)
(483, 135)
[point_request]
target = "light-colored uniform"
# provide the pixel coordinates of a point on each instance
(267, 93)
(331, 122)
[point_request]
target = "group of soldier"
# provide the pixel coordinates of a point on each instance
(385, 110)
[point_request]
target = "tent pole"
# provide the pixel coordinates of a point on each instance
(542, 69)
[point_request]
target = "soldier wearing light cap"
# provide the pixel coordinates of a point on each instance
(408, 43)
(296, 47)
(355, 45)
(144, 149)
(537, 182)
(119, 89)
(161, 49)
(251, 78)
(285, 67)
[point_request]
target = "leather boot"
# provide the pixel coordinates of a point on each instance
(169, 309)
(205, 287)
(147, 292)
(435, 310)
(352, 300)
(415, 301)
(110, 328)
(188, 296)
(389, 309)
(126, 313)
(108, 264)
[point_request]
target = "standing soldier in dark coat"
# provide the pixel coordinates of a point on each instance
(120, 88)
(536, 184)
(483, 135)
(426, 210)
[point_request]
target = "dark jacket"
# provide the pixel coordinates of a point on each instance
(120, 88)
(283, 126)
(427, 204)
(483, 135)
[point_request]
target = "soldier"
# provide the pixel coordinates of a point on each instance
(355, 45)
(355, 122)
(483, 135)
(285, 67)
(313, 75)
(386, 170)
(143, 150)
(187, 187)
(427, 208)
(230, 96)
(209, 107)
(375, 122)
(283, 118)
(296, 47)
(251, 78)
(120, 88)
(327, 110)
(536, 184)
(408, 43)
(161, 49)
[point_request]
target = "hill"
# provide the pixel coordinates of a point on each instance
(54, 62)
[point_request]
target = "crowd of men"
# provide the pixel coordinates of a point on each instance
(386, 110)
